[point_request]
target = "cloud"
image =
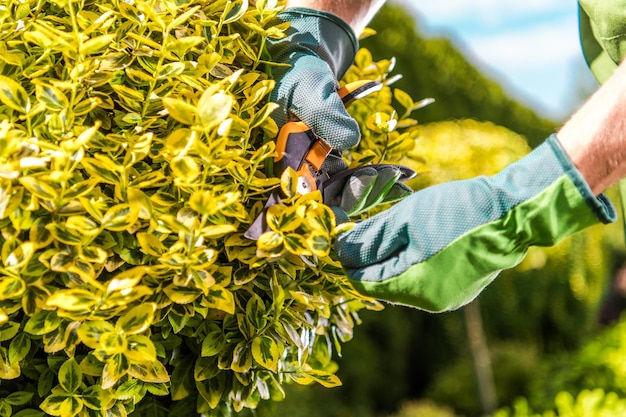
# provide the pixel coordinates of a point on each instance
(529, 46)
(490, 12)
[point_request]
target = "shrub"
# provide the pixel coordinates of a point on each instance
(133, 142)
(588, 403)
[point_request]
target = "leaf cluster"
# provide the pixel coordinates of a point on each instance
(133, 142)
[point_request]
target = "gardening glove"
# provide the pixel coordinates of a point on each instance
(439, 247)
(319, 48)
(360, 189)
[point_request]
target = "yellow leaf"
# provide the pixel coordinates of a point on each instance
(213, 108)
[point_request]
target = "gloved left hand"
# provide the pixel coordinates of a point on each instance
(319, 48)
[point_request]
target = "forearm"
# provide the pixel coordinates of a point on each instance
(595, 136)
(357, 13)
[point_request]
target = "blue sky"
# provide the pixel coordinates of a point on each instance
(531, 47)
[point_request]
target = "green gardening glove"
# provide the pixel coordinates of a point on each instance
(358, 190)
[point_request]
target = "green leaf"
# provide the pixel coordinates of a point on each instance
(8, 330)
(79, 189)
(214, 108)
(19, 347)
(13, 95)
(113, 343)
(325, 379)
(19, 397)
(5, 409)
(61, 233)
(257, 92)
(83, 224)
(169, 70)
(182, 45)
(29, 412)
(265, 352)
(11, 287)
(263, 115)
(96, 44)
(289, 182)
(74, 300)
(119, 218)
(62, 405)
(101, 170)
(126, 279)
(39, 188)
(185, 169)
(180, 110)
(149, 372)
(212, 390)
(221, 299)
(181, 295)
(87, 105)
(89, 332)
(95, 398)
(8, 370)
(70, 376)
(236, 11)
(205, 368)
(214, 341)
(283, 219)
(182, 382)
(128, 94)
(297, 244)
(51, 97)
(242, 357)
(138, 319)
(116, 367)
(128, 389)
(42, 322)
(319, 243)
(403, 98)
(140, 348)
(46, 379)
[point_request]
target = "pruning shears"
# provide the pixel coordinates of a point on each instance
(300, 148)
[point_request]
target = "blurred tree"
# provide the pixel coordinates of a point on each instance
(433, 67)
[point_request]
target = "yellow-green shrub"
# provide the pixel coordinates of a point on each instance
(133, 142)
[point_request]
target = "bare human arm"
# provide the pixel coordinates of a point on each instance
(357, 13)
(595, 136)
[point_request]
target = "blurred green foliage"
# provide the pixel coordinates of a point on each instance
(433, 67)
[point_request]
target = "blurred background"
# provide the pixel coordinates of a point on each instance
(545, 339)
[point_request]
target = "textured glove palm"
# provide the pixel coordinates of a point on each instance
(358, 190)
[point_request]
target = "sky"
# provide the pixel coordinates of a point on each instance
(530, 47)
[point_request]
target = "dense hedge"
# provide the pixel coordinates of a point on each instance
(134, 137)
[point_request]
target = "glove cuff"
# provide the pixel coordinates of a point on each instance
(319, 32)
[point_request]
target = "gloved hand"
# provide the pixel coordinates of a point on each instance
(360, 189)
(438, 248)
(319, 48)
